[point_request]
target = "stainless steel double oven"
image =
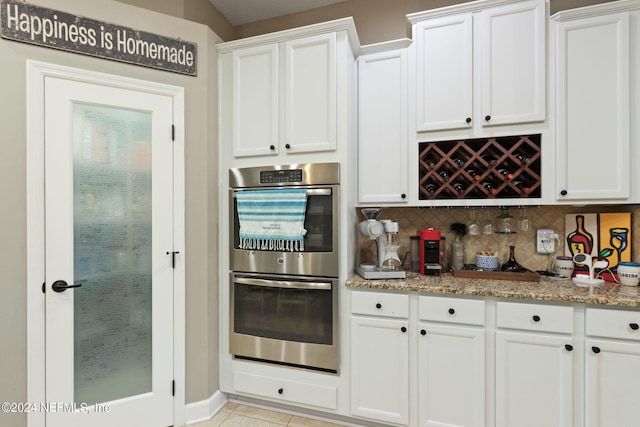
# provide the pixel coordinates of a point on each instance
(284, 304)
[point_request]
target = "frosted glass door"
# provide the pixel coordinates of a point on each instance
(108, 200)
(112, 252)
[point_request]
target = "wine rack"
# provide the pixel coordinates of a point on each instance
(484, 168)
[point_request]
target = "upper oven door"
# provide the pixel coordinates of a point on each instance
(320, 254)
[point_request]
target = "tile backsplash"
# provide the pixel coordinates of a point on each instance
(553, 217)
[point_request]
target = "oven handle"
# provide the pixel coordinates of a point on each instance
(283, 283)
(310, 192)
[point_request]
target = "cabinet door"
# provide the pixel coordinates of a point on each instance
(444, 49)
(612, 383)
(534, 381)
(382, 124)
(310, 94)
(593, 144)
(380, 369)
(513, 63)
(255, 101)
(451, 379)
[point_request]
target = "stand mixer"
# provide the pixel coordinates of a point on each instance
(383, 231)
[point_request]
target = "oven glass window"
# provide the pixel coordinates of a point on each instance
(318, 223)
(302, 315)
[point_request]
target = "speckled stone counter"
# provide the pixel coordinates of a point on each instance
(548, 289)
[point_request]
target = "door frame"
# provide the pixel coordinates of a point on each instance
(35, 136)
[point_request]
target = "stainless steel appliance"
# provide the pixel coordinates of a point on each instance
(290, 320)
(284, 303)
(320, 254)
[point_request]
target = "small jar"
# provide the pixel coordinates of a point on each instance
(629, 273)
(564, 266)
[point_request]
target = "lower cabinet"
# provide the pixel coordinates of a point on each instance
(534, 365)
(422, 360)
(451, 362)
(612, 368)
(286, 391)
(380, 357)
(380, 369)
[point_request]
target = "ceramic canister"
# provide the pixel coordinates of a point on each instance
(629, 273)
(564, 266)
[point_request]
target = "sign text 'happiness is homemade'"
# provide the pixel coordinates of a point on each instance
(51, 28)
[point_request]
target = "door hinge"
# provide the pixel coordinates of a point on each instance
(173, 388)
(173, 132)
(43, 287)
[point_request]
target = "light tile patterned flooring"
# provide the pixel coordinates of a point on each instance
(238, 415)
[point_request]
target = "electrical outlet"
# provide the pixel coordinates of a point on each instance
(546, 241)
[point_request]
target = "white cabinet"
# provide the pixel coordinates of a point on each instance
(480, 65)
(299, 73)
(288, 92)
(594, 100)
(612, 351)
(382, 123)
(534, 365)
(451, 362)
(380, 357)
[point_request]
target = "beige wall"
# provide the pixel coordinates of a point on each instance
(376, 20)
(201, 190)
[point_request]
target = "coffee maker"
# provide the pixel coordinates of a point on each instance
(431, 252)
(383, 231)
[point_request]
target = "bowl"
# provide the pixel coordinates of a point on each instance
(487, 262)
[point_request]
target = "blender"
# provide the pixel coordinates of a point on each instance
(384, 232)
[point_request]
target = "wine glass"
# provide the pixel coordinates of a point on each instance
(523, 221)
(473, 226)
(487, 225)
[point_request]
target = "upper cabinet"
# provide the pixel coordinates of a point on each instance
(480, 64)
(597, 93)
(382, 123)
(286, 93)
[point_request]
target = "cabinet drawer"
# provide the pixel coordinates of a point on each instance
(613, 323)
(535, 317)
(451, 310)
(285, 390)
(380, 304)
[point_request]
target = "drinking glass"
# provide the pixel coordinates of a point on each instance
(473, 226)
(523, 221)
(487, 225)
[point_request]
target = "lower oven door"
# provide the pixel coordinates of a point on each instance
(289, 320)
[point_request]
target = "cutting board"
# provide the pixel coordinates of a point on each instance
(497, 275)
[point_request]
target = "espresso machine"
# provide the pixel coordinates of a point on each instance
(383, 231)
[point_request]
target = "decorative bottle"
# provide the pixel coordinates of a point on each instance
(457, 254)
(512, 265)
(580, 240)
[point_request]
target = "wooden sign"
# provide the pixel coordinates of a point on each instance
(59, 30)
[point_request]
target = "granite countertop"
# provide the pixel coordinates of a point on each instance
(548, 289)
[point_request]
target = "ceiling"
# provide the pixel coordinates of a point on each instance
(240, 12)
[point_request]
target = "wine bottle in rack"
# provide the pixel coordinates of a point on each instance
(505, 173)
(487, 185)
(430, 189)
(525, 189)
(459, 188)
(445, 175)
(490, 159)
(474, 174)
(431, 165)
(459, 161)
(522, 158)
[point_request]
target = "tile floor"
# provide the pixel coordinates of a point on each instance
(238, 415)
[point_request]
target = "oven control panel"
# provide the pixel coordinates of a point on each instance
(280, 176)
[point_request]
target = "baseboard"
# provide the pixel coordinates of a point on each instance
(204, 410)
